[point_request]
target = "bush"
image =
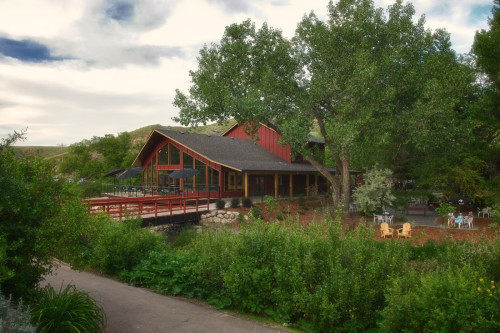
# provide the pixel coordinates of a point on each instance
(375, 194)
(220, 204)
(447, 299)
(123, 244)
(14, 319)
(246, 202)
(67, 311)
(168, 272)
(30, 199)
(235, 202)
(444, 209)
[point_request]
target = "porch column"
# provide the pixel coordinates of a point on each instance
(245, 184)
(275, 186)
(316, 183)
(291, 185)
(307, 185)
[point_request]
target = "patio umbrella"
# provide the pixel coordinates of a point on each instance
(129, 173)
(114, 172)
(461, 201)
(183, 173)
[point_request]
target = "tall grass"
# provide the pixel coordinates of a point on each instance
(67, 311)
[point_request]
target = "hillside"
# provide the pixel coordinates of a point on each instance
(142, 133)
(137, 135)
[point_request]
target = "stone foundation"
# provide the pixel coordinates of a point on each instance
(220, 217)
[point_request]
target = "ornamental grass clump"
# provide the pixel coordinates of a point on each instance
(67, 310)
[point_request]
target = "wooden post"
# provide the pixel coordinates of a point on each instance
(275, 186)
(291, 185)
(245, 181)
(307, 185)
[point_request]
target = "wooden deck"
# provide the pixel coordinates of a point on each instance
(148, 207)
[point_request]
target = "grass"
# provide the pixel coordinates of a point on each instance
(67, 311)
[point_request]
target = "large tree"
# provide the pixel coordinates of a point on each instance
(486, 48)
(364, 79)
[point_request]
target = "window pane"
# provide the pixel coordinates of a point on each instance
(163, 156)
(175, 155)
(201, 179)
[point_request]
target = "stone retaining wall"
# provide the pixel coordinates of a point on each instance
(220, 217)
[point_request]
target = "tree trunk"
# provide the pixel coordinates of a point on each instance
(332, 179)
(346, 179)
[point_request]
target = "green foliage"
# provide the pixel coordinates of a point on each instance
(29, 200)
(168, 272)
(184, 238)
(447, 299)
(235, 202)
(486, 47)
(375, 194)
(220, 204)
(91, 159)
(67, 311)
(14, 319)
(444, 209)
(271, 203)
(495, 214)
(120, 245)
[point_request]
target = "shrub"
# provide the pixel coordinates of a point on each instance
(495, 214)
(122, 245)
(220, 204)
(30, 199)
(447, 299)
(246, 202)
(168, 272)
(444, 209)
(14, 319)
(375, 194)
(235, 202)
(67, 311)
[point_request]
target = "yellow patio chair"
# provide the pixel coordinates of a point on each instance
(385, 230)
(405, 231)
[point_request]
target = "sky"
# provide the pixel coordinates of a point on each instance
(74, 69)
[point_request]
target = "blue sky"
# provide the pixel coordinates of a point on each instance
(74, 69)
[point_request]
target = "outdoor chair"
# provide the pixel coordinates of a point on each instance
(378, 218)
(469, 221)
(405, 231)
(484, 211)
(459, 220)
(389, 218)
(385, 230)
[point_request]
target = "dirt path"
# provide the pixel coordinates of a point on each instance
(131, 309)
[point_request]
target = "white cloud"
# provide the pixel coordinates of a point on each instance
(124, 63)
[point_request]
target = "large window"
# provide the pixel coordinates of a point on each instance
(175, 155)
(201, 176)
(187, 162)
(153, 171)
(163, 155)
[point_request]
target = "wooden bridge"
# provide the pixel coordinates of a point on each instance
(149, 207)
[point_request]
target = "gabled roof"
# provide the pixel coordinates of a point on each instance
(238, 154)
(311, 138)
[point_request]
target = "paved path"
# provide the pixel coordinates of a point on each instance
(131, 309)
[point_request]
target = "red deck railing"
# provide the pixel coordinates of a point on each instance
(148, 206)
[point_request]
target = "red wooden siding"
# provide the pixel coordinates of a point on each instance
(269, 139)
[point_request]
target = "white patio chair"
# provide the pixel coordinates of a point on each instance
(378, 218)
(469, 221)
(389, 218)
(484, 211)
(459, 220)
